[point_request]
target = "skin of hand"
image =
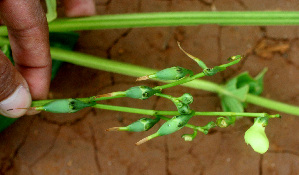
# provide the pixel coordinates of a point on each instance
(29, 38)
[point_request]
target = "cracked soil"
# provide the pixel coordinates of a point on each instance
(78, 144)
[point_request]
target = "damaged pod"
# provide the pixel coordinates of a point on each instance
(70, 105)
(140, 92)
(174, 124)
(140, 125)
(172, 73)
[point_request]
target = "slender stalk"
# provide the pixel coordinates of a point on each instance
(163, 19)
(173, 113)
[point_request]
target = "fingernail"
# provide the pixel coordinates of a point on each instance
(16, 104)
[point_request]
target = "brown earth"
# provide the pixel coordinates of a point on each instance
(78, 144)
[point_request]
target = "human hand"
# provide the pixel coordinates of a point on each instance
(29, 38)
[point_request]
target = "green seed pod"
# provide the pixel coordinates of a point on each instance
(140, 92)
(174, 124)
(256, 137)
(172, 73)
(140, 125)
(65, 106)
(186, 98)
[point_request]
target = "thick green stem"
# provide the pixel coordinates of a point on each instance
(163, 19)
(271, 104)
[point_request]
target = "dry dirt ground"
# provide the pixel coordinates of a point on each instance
(78, 144)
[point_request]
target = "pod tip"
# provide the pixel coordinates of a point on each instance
(142, 141)
(142, 78)
(113, 129)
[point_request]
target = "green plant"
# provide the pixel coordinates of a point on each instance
(179, 76)
(234, 94)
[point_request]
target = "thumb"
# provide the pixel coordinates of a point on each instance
(15, 97)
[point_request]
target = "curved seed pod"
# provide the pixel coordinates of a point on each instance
(186, 98)
(70, 105)
(140, 92)
(140, 125)
(172, 73)
(174, 124)
(256, 137)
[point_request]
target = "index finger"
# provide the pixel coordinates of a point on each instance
(29, 38)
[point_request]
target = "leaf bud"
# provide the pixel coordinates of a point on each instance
(140, 92)
(140, 125)
(256, 136)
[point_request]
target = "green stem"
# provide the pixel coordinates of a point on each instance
(271, 104)
(163, 19)
(138, 71)
(173, 113)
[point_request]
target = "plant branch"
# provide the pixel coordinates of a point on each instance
(173, 113)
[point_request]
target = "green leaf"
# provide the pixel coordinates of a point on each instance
(230, 104)
(240, 86)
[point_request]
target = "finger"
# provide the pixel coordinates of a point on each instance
(28, 35)
(14, 92)
(75, 8)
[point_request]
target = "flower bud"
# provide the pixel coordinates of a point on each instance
(183, 108)
(70, 105)
(188, 137)
(140, 125)
(186, 98)
(256, 136)
(140, 92)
